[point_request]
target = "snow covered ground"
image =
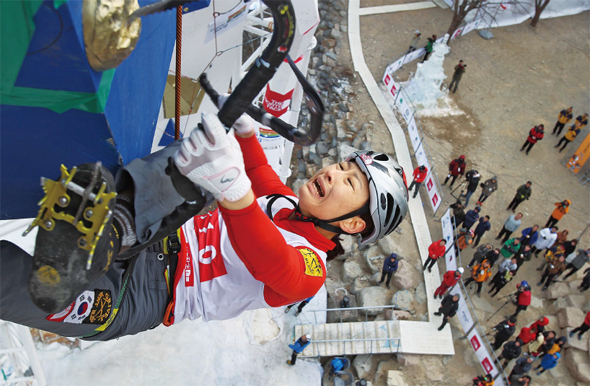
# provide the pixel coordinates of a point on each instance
(249, 350)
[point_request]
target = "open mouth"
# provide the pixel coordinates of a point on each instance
(318, 188)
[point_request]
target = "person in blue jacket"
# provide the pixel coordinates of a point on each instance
(549, 361)
(300, 307)
(471, 217)
(481, 228)
(529, 236)
(336, 365)
(298, 347)
(389, 267)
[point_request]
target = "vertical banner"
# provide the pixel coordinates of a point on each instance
(391, 84)
(581, 155)
(485, 359)
(414, 55)
(463, 313)
(457, 33)
(404, 107)
(448, 235)
(433, 194)
(414, 134)
(470, 27)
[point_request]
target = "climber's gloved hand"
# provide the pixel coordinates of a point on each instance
(212, 159)
(244, 124)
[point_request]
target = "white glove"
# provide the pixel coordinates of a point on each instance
(244, 124)
(212, 159)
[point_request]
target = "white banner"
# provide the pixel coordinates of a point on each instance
(391, 84)
(457, 33)
(485, 359)
(448, 235)
(433, 195)
(414, 134)
(470, 27)
(418, 53)
(226, 21)
(404, 108)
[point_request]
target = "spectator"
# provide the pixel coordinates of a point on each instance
(525, 380)
(529, 236)
(448, 309)
(336, 364)
(523, 297)
(507, 264)
(481, 228)
(479, 274)
(534, 340)
(562, 119)
(494, 256)
(459, 70)
(510, 247)
(419, 174)
(585, 284)
(546, 239)
(570, 247)
(569, 136)
(482, 252)
(450, 278)
(555, 250)
(435, 250)
(577, 262)
(488, 187)
(561, 237)
(548, 362)
(523, 255)
(429, 47)
(298, 347)
(511, 224)
(458, 213)
(415, 41)
(511, 350)
(472, 177)
(561, 210)
(539, 325)
(535, 134)
(498, 282)
(522, 366)
(555, 268)
(583, 328)
(522, 193)
(389, 267)
(556, 346)
(300, 307)
(504, 331)
(471, 217)
(483, 380)
(581, 121)
(464, 238)
(456, 168)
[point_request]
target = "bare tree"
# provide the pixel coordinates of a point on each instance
(461, 9)
(539, 8)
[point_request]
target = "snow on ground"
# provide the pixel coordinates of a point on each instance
(251, 349)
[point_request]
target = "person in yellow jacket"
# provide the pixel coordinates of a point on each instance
(564, 117)
(562, 208)
(571, 134)
(480, 273)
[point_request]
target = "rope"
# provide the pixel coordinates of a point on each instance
(178, 79)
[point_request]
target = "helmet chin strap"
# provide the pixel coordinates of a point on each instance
(324, 224)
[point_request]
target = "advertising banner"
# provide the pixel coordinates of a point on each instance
(226, 21)
(414, 55)
(485, 359)
(457, 33)
(414, 134)
(470, 27)
(391, 84)
(404, 108)
(448, 235)
(580, 157)
(463, 313)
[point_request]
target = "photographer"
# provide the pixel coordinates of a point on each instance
(472, 178)
(561, 210)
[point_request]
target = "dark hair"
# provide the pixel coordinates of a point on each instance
(337, 250)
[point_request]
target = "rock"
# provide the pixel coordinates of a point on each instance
(570, 317)
(576, 301)
(397, 315)
(420, 294)
(342, 316)
(557, 290)
(395, 378)
(313, 157)
(344, 150)
(482, 305)
(405, 277)
(536, 303)
(574, 285)
(322, 148)
(577, 363)
(580, 344)
(388, 245)
(357, 285)
(329, 42)
(341, 133)
(372, 296)
(351, 270)
(362, 365)
(343, 107)
(374, 280)
(348, 243)
(434, 366)
(326, 162)
(402, 299)
(374, 258)
(557, 305)
(406, 360)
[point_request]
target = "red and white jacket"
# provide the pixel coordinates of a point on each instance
(236, 260)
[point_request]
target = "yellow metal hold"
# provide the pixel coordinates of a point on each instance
(98, 214)
(48, 275)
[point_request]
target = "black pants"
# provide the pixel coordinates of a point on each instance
(498, 342)
(515, 202)
(529, 144)
(518, 309)
(581, 330)
(429, 263)
(453, 178)
(426, 55)
(551, 222)
(482, 198)
(293, 358)
(506, 233)
(471, 280)
(558, 127)
(497, 286)
(299, 308)
(476, 239)
(571, 272)
(417, 184)
(547, 278)
(565, 143)
(389, 275)
(536, 251)
(455, 82)
(542, 369)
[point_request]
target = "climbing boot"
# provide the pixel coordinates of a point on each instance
(76, 241)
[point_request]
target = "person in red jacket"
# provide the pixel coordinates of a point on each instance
(526, 335)
(539, 325)
(456, 168)
(435, 250)
(523, 297)
(450, 278)
(535, 134)
(583, 328)
(419, 174)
